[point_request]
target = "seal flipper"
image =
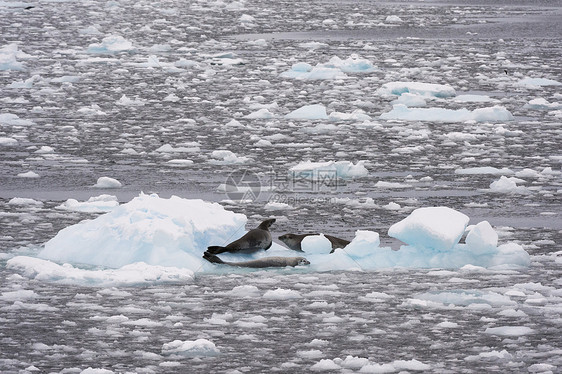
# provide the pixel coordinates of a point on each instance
(212, 258)
(216, 249)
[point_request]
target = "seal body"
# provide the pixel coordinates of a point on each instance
(294, 241)
(253, 240)
(266, 262)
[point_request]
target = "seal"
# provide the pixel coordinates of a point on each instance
(266, 262)
(253, 240)
(293, 241)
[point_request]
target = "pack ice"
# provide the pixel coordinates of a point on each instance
(173, 233)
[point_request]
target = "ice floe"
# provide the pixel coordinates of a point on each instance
(417, 88)
(492, 114)
(172, 234)
(338, 169)
(111, 44)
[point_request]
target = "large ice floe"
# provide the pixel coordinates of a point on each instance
(152, 239)
(413, 95)
(490, 114)
(337, 169)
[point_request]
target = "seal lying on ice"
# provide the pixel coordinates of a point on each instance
(294, 241)
(266, 262)
(253, 240)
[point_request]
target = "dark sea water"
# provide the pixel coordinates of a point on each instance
(448, 320)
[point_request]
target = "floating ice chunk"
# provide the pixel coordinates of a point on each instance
(325, 365)
(352, 64)
(96, 204)
(316, 244)
(393, 19)
(392, 185)
(418, 88)
(45, 149)
(460, 298)
(486, 170)
(13, 120)
(319, 72)
(9, 55)
(184, 63)
(542, 368)
(91, 370)
(160, 48)
(66, 79)
(410, 100)
(245, 291)
(166, 232)
(537, 82)
(437, 228)
(24, 201)
(111, 44)
(273, 206)
(313, 45)
(180, 162)
(473, 99)
(492, 114)
(510, 330)
(190, 348)
(107, 182)
(128, 275)
(126, 101)
(263, 143)
(495, 355)
(542, 104)
(12, 296)
(282, 294)
(402, 112)
(508, 185)
(336, 169)
(5, 141)
(28, 83)
(309, 112)
(225, 157)
(447, 325)
(90, 30)
(29, 174)
(482, 238)
(192, 147)
(412, 364)
(263, 113)
(356, 115)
